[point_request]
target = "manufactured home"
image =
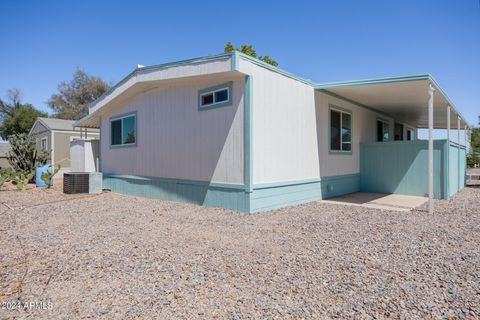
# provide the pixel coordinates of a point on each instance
(55, 135)
(231, 131)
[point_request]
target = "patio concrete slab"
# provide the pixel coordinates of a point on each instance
(394, 202)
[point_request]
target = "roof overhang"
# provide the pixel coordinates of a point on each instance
(403, 98)
(143, 79)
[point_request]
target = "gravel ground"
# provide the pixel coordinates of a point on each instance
(117, 257)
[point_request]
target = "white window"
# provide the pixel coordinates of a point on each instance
(215, 97)
(43, 144)
(383, 130)
(340, 130)
(410, 134)
(123, 130)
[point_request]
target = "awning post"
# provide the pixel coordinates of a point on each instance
(448, 122)
(431, 90)
(458, 130)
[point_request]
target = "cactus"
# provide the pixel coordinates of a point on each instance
(24, 156)
(48, 176)
(20, 180)
(5, 176)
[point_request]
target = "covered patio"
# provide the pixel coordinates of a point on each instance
(408, 165)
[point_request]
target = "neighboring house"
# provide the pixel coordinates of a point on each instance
(231, 131)
(4, 148)
(55, 135)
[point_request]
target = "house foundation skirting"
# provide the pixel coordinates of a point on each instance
(263, 197)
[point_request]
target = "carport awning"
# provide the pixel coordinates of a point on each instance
(403, 98)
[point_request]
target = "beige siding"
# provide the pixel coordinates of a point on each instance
(61, 141)
(62, 149)
(175, 140)
(364, 129)
(284, 127)
(48, 136)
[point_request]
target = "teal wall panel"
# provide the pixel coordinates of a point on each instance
(463, 167)
(457, 167)
(402, 167)
(453, 169)
(197, 192)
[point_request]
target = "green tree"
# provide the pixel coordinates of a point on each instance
(248, 50)
(474, 155)
(17, 117)
(268, 60)
(74, 96)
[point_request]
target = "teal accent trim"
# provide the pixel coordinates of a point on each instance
(248, 134)
(339, 152)
(235, 58)
(158, 67)
(407, 78)
(227, 85)
(118, 117)
(285, 183)
(274, 69)
(334, 186)
(373, 81)
(210, 194)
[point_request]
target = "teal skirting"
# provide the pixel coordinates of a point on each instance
(227, 196)
(231, 196)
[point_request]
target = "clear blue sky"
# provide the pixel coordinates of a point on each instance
(44, 41)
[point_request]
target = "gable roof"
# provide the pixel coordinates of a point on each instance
(151, 73)
(57, 124)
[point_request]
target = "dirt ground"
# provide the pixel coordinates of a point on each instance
(118, 257)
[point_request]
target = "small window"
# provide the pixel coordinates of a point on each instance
(383, 130)
(410, 134)
(215, 97)
(43, 144)
(123, 130)
(340, 130)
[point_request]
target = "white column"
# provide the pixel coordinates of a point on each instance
(448, 122)
(458, 130)
(465, 133)
(431, 90)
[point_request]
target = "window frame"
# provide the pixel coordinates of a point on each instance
(212, 90)
(383, 121)
(46, 144)
(121, 117)
(341, 111)
(407, 129)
